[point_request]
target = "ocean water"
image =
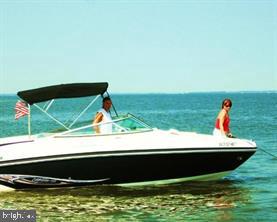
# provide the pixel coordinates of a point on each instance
(247, 194)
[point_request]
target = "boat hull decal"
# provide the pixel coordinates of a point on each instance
(27, 181)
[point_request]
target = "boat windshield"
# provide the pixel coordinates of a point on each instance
(119, 124)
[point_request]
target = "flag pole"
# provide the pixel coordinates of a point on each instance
(29, 120)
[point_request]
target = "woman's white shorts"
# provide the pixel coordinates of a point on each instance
(218, 133)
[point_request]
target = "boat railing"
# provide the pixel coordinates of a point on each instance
(115, 123)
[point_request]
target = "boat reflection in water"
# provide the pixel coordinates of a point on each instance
(198, 201)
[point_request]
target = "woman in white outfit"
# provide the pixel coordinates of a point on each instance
(103, 118)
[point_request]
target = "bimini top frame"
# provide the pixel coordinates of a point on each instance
(72, 90)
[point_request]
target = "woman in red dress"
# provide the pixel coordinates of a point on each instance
(223, 120)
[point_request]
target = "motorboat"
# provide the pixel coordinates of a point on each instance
(133, 153)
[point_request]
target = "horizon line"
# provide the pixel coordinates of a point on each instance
(188, 92)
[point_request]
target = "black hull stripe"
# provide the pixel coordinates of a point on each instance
(123, 153)
(12, 143)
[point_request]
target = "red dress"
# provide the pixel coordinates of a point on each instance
(225, 124)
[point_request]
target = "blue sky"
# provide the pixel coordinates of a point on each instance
(139, 46)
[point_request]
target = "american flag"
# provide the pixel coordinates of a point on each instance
(21, 109)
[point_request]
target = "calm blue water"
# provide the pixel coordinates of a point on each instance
(248, 194)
